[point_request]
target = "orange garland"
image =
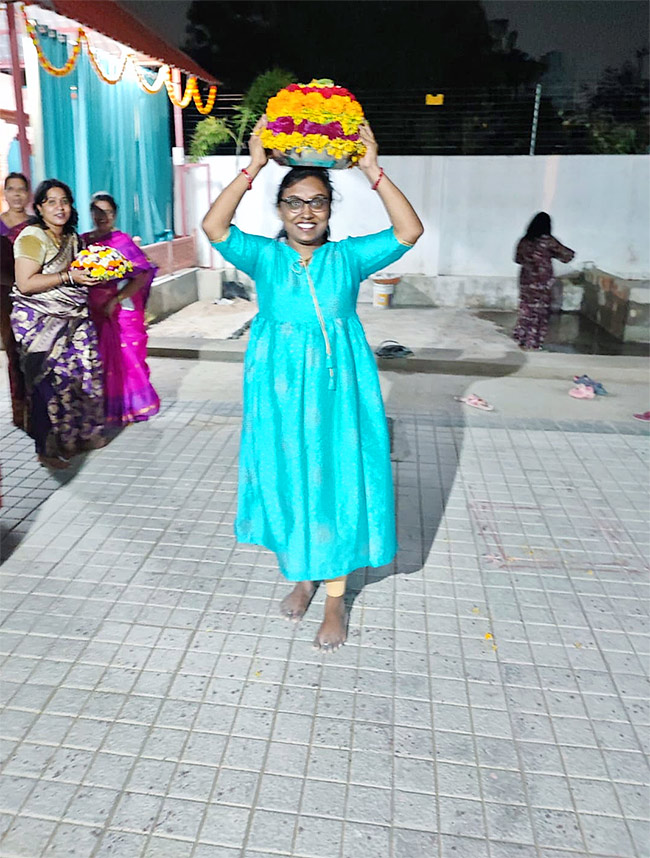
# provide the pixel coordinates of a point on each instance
(164, 75)
(191, 94)
(209, 104)
(43, 60)
(187, 95)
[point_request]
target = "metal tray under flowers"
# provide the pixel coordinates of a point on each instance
(310, 158)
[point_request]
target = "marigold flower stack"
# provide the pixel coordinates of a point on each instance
(314, 124)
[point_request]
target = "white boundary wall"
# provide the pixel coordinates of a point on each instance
(474, 209)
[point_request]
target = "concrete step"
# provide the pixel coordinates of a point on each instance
(432, 360)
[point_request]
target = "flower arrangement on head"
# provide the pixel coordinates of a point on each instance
(102, 263)
(315, 124)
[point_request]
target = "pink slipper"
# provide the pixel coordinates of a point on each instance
(582, 391)
(645, 416)
(475, 402)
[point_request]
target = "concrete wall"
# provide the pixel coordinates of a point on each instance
(474, 210)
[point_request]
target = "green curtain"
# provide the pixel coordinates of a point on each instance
(100, 137)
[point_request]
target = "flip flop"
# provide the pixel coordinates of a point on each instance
(392, 349)
(599, 390)
(582, 391)
(475, 402)
(645, 416)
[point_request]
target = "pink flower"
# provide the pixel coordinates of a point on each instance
(331, 130)
(281, 125)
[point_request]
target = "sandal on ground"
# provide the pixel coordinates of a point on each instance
(599, 390)
(475, 402)
(645, 416)
(582, 391)
(392, 349)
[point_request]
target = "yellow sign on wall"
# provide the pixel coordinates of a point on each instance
(434, 99)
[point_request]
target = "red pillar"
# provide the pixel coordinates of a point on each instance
(179, 144)
(16, 74)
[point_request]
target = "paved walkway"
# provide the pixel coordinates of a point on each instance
(492, 700)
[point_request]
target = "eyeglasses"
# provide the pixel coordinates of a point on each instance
(316, 204)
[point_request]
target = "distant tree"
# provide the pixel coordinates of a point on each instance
(362, 45)
(614, 119)
(212, 132)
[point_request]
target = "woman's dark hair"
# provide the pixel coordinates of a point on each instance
(104, 197)
(297, 174)
(539, 225)
(40, 195)
(17, 176)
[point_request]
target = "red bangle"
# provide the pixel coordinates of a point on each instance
(249, 178)
(379, 178)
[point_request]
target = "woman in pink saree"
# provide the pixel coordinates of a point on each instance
(117, 310)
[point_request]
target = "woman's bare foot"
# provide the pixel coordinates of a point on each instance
(293, 606)
(333, 631)
(53, 462)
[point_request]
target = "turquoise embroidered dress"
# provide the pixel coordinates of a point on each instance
(315, 481)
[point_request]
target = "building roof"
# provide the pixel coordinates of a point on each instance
(112, 20)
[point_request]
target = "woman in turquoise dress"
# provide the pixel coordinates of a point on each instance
(315, 482)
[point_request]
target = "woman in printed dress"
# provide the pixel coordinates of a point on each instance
(315, 481)
(117, 310)
(535, 253)
(56, 340)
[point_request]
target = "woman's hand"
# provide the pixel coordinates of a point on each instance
(80, 277)
(369, 160)
(259, 157)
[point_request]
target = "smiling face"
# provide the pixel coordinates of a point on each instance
(55, 209)
(305, 228)
(16, 195)
(103, 216)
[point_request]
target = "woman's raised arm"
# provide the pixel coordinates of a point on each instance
(407, 225)
(217, 221)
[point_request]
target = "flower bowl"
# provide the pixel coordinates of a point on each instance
(310, 157)
(314, 125)
(102, 262)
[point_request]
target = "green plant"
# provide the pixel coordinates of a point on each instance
(211, 133)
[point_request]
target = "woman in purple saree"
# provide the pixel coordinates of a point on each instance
(117, 310)
(56, 340)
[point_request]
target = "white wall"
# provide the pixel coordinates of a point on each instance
(474, 208)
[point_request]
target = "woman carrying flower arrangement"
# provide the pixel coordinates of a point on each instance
(315, 482)
(56, 340)
(117, 309)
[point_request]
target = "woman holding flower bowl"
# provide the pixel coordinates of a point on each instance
(56, 340)
(315, 481)
(117, 308)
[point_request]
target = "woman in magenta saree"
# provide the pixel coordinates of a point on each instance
(117, 309)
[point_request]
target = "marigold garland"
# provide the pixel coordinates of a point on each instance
(209, 104)
(43, 60)
(318, 115)
(191, 94)
(163, 77)
(187, 95)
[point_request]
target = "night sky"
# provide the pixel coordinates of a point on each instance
(592, 34)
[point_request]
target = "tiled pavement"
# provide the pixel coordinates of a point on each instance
(492, 701)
